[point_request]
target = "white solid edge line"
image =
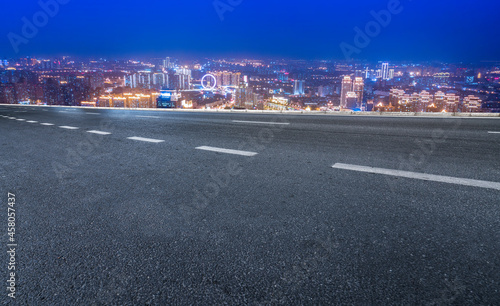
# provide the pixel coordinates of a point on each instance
(420, 176)
(156, 117)
(228, 151)
(261, 122)
(99, 132)
(92, 113)
(68, 127)
(47, 124)
(146, 139)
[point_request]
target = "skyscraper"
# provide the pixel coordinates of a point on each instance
(346, 87)
(358, 88)
(167, 63)
(385, 71)
(183, 78)
(298, 88)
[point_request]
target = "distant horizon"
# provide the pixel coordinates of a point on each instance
(242, 58)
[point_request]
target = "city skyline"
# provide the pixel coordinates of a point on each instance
(252, 84)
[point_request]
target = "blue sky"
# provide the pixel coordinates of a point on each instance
(461, 30)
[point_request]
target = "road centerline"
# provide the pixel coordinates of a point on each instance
(420, 176)
(99, 132)
(146, 139)
(227, 151)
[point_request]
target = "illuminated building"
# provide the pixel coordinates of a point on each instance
(351, 95)
(75, 90)
(358, 88)
(324, 91)
(7, 94)
(51, 91)
(395, 98)
(439, 101)
(391, 74)
(138, 101)
(472, 104)
(166, 99)
(351, 101)
(243, 96)
(89, 103)
(160, 81)
(298, 88)
(167, 63)
(346, 87)
(415, 99)
(182, 79)
(385, 71)
(127, 100)
(425, 100)
(278, 103)
(442, 78)
(451, 103)
(227, 78)
(405, 103)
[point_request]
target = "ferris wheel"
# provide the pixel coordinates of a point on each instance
(209, 82)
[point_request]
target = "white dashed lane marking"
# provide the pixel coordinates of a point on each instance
(99, 132)
(146, 139)
(420, 176)
(227, 151)
(47, 124)
(69, 127)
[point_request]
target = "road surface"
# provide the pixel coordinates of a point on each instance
(146, 207)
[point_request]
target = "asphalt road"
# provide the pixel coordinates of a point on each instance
(142, 207)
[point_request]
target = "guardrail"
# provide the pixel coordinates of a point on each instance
(285, 112)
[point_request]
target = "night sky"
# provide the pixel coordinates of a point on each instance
(460, 30)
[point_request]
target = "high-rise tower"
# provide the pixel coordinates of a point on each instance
(346, 87)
